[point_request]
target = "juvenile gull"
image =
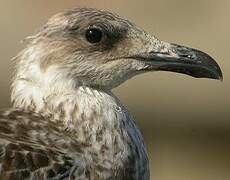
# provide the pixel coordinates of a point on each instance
(65, 122)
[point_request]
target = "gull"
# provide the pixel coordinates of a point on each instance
(65, 122)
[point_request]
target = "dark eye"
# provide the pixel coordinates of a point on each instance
(93, 35)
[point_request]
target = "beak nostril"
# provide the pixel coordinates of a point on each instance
(186, 56)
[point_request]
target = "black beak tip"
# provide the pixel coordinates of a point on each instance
(219, 74)
(200, 64)
(213, 69)
(215, 75)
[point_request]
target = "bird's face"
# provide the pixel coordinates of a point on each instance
(100, 49)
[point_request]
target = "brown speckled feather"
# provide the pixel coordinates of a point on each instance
(33, 148)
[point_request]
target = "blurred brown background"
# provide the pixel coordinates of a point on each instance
(185, 121)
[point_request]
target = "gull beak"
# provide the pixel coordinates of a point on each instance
(180, 59)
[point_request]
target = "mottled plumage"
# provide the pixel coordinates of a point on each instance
(36, 145)
(65, 122)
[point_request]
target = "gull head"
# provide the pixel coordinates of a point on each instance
(99, 49)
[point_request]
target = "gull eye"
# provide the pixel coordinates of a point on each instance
(93, 35)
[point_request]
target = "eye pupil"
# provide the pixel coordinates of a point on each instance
(93, 35)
